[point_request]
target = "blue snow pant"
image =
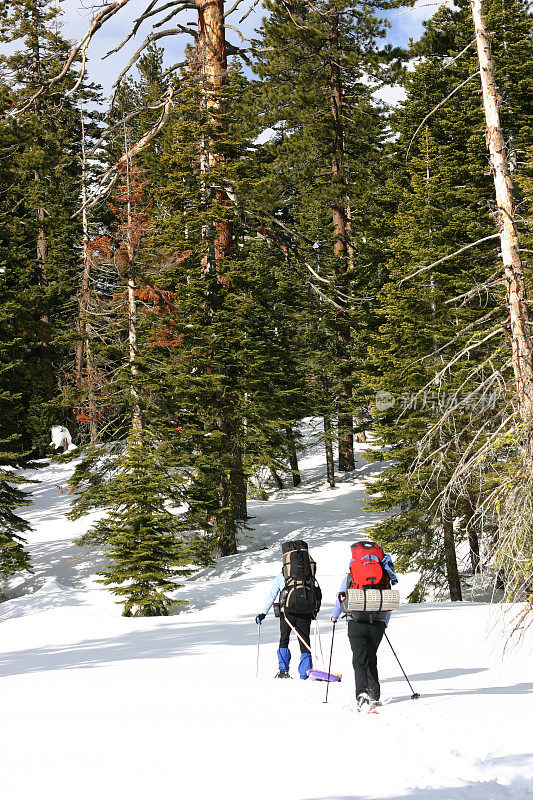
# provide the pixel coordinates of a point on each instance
(302, 624)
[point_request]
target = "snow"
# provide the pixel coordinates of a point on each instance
(61, 438)
(98, 706)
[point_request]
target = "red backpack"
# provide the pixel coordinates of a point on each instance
(366, 571)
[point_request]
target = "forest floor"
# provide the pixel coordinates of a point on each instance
(97, 706)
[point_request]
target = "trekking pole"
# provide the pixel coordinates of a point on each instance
(415, 695)
(258, 642)
(330, 657)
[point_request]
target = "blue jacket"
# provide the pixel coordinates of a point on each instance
(275, 589)
(387, 565)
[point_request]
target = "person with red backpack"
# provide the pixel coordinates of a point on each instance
(299, 603)
(370, 568)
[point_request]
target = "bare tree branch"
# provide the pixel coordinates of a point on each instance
(138, 147)
(99, 19)
(152, 37)
(448, 257)
(457, 88)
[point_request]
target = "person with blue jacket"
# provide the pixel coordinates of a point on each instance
(365, 632)
(299, 623)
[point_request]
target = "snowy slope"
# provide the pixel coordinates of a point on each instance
(97, 706)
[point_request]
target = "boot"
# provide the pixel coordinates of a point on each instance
(283, 673)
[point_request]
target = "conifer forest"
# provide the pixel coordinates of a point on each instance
(242, 233)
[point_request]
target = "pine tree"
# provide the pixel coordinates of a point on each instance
(43, 195)
(451, 405)
(324, 166)
(144, 549)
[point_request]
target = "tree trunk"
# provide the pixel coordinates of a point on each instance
(452, 571)
(41, 247)
(133, 341)
(212, 51)
(330, 464)
(344, 395)
(277, 480)
(239, 487)
(213, 55)
(293, 456)
(360, 435)
(521, 338)
(83, 342)
(473, 538)
(226, 527)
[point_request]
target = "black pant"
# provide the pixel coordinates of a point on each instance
(364, 641)
(301, 623)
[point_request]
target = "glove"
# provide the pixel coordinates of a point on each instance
(333, 620)
(259, 619)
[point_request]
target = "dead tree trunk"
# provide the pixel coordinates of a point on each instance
(293, 456)
(133, 340)
(452, 571)
(41, 246)
(521, 338)
(340, 249)
(84, 341)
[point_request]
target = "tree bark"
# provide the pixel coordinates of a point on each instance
(212, 51)
(344, 395)
(293, 456)
(521, 338)
(452, 571)
(330, 464)
(213, 55)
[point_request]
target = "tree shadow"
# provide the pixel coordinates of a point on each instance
(169, 640)
(473, 790)
(438, 674)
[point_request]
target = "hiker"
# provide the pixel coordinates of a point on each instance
(299, 603)
(370, 568)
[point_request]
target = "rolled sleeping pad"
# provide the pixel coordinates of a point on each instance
(372, 599)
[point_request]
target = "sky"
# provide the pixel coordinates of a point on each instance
(405, 24)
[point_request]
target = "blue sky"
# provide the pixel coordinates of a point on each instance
(405, 24)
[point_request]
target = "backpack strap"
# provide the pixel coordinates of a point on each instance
(296, 632)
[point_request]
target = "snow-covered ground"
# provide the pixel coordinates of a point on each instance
(97, 706)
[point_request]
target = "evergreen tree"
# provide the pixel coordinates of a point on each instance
(43, 194)
(145, 552)
(322, 169)
(447, 406)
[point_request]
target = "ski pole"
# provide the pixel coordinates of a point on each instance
(330, 657)
(415, 695)
(258, 642)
